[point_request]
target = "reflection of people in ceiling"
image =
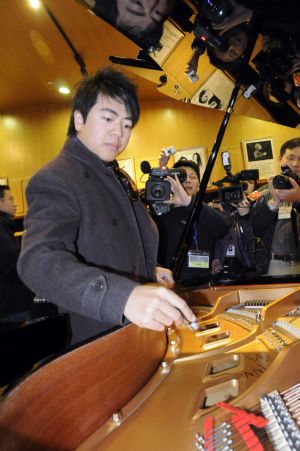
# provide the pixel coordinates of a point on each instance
(142, 21)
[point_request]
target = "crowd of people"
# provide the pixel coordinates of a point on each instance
(94, 249)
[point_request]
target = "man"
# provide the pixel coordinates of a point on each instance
(14, 296)
(210, 225)
(286, 203)
(89, 242)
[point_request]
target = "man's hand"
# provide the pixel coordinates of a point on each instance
(180, 196)
(164, 277)
(154, 307)
(286, 195)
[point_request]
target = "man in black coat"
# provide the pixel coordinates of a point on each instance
(90, 246)
(14, 295)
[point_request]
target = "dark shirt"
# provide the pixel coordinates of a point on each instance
(14, 295)
(210, 225)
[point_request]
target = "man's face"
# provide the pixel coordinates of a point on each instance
(141, 14)
(291, 157)
(236, 47)
(191, 184)
(107, 128)
(7, 204)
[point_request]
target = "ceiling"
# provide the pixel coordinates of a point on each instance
(35, 57)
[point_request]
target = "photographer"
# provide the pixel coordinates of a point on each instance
(286, 205)
(246, 249)
(210, 225)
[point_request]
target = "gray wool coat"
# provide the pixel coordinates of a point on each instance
(86, 245)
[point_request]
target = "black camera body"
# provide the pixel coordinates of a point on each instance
(235, 193)
(211, 11)
(282, 181)
(157, 187)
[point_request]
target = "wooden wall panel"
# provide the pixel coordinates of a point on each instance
(31, 136)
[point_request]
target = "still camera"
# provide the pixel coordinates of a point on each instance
(282, 181)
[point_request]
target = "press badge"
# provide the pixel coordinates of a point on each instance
(230, 250)
(198, 259)
(284, 211)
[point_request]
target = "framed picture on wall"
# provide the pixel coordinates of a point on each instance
(197, 154)
(258, 154)
(127, 164)
(215, 92)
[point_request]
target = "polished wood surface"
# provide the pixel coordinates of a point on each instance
(130, 390)
(236, 370)
(62, 403)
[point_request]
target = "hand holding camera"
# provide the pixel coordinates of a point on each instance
(285, 186)
(180, 197)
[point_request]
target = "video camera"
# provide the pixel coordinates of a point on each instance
(158, 189)
(235, 193)
(282, 181)
(211, 11)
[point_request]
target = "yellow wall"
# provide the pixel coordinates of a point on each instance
(33, 135)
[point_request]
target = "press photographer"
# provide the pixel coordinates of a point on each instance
(245, 250)
(209, 226)
(283, 198)
(235, 193)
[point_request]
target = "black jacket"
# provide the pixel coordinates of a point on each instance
(210, 225)
(14, 295)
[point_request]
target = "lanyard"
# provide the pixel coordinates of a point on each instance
(195, 236)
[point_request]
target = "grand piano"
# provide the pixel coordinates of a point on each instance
(228, 381)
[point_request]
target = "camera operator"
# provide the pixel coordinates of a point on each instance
(246, 249)
(210, 225)
(286, 205)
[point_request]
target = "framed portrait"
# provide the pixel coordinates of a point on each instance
(258, 154)
(127, 164)
(215, 92)
(197, 154)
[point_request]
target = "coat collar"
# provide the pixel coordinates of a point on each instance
(78, 150)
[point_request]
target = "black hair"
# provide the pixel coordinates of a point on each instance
(3, 188)
(185, 163)
(290, 144)
(109, 83)
(202, 93)
(216, 100)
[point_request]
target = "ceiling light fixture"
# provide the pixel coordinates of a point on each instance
(64, 90)
(35, 4)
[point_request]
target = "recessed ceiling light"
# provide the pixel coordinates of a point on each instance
(64, 90)
(35, 4)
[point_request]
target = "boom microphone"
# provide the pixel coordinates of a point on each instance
(145, 167)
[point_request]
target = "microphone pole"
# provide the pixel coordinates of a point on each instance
(183, 247)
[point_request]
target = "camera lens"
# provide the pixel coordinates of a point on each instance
(159, 191)
(281, 182)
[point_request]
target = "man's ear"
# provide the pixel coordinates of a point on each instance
(78, 120)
